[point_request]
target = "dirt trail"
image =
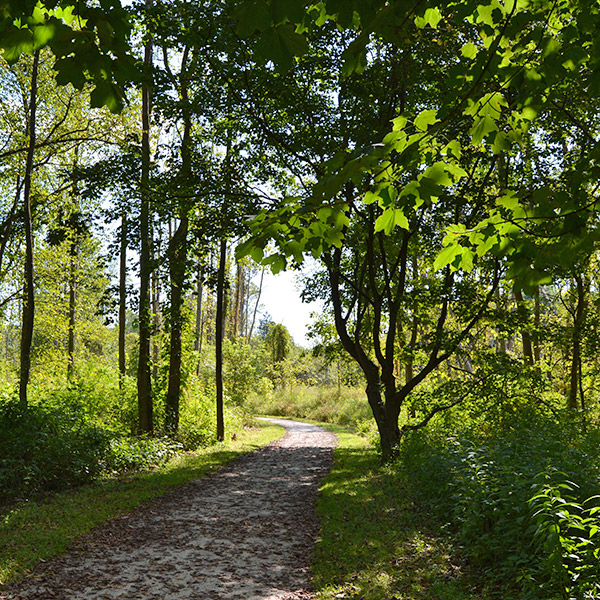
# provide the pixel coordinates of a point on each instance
(246, 532)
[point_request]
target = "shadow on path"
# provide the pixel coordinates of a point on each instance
(247, 532)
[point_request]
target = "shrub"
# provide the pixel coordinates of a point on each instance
(344, 406)
(566, 541)
(487, 488)
(44, 448)
(128, 454)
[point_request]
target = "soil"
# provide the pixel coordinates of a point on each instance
(246, 532)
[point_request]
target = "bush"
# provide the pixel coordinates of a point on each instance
(45, 448)
(566, 541)
(489, 491)
(128, 454)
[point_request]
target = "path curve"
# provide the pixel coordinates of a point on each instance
(245, 533)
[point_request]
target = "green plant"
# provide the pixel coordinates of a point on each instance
(45, 448)
(566, 538)
(128, 454)
(479, 484)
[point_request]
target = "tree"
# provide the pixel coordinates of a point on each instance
(406, 153)
(279, 342)
(144, 383)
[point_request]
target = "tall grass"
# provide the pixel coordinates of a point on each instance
(343, 406)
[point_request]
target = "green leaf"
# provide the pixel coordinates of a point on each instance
(390, 218)
(355, 56)
(469, 51)
(447, 256)
(432, 17)
(42, 34)
(107, 94)
(426, 118)
(14, 43)
(251, 17)
(501, 143)
(257, 254)
(481, 128)
(280, 45)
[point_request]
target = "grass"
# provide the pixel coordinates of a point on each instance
(375, 541)
(36, 530)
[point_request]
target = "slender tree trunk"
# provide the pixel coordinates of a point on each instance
(122, 298)
(198, 340)
(177, 268)
(156, 323)
(219, 334)
(144, 382)
(262, 276)
(526, 337)
(574, 383)
(178, 259)
(73, 255)
(500, 341)
(72, 299)
(537, 354)
(28, 295)
(237, 306)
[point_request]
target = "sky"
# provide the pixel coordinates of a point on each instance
(281, 299)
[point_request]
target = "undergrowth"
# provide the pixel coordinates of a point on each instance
(519, 499)
(376, 542)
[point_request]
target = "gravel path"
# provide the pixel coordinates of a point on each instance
(245, 533)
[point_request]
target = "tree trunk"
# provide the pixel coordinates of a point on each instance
(156, 323)
(262, 276)
(177, 268)
(28, 295)
(144, 383)
(526, 337)
(122, 299)
(198, 340)
(575, 383)
(237, 306)
(386, 417)
(537, 354)
(219, 334)
(72, 300)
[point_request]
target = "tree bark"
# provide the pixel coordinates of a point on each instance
(144, 382)
(122, 298)
(72, 300)
(262, 276)
(177, 269)
(178, 258)
(574, 380)
(198, 335)
(537, 354)
(156, 322)
(219, 334)
(525, 335)
(28, 295)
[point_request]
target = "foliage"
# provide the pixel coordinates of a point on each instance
(46, 448)
(376, 542)
(133, 454)
(500, 492)
(566, 537)
(343, 406)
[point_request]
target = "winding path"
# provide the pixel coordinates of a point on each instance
(245, 533)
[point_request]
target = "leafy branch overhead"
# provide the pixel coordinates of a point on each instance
(90, 43)
(507, 72)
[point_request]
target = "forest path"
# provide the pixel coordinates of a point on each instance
(246, 532)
